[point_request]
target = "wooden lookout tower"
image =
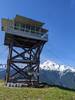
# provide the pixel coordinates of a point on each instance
(25, 39)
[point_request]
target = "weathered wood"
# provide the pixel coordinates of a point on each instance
(8, 63)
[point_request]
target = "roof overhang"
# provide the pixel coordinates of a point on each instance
(24, 20)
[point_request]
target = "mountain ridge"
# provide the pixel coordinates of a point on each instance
(51, 65)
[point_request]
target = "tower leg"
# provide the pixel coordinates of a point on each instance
(8, 64)
(25, 63)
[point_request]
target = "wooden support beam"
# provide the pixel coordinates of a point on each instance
(30, 57)
(8, 63)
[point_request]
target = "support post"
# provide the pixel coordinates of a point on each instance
(9, 63)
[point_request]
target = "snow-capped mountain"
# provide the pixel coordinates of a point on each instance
(50, 65)
(55, 74)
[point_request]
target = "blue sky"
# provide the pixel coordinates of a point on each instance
(59, 16)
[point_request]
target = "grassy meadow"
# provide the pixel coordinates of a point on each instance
(51, 93)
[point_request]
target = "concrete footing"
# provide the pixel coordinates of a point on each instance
(40, 85)
(16, 84)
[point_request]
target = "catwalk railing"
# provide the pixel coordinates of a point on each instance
(24, 32)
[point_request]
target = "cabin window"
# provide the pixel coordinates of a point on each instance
(42, 30)
(17, 26)
(37, 29)
(27, 28)
(2, 28)
(22, 27)
(33, 29)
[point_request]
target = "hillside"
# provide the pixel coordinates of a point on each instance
(52, 93)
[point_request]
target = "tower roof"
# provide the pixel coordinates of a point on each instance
(23, 20)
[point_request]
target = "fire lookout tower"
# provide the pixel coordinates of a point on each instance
(25, 39)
